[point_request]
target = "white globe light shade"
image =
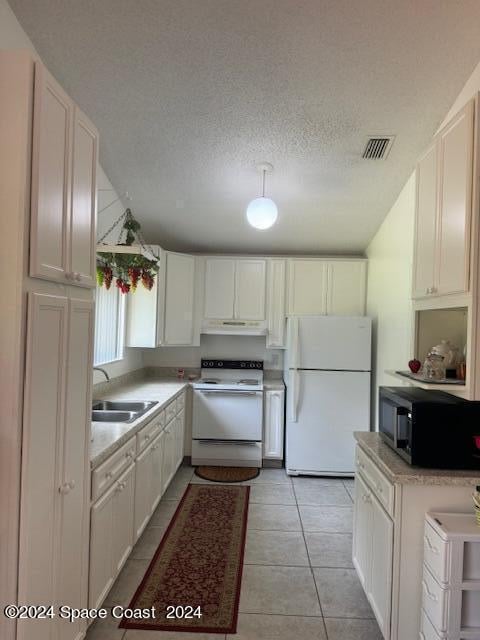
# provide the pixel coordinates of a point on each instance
(262, 213)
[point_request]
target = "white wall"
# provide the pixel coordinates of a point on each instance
(390, 257)
(106, 195)
(12, 36)
(232, 347)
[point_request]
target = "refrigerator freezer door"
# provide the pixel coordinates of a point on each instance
(329, 407)
(329, 343)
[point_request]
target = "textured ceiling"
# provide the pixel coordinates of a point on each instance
(190, 94)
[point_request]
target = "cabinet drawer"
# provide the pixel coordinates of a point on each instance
(427, 630)
(435, 601)
(170, 411)
(147, 434)
(106, 474)
(436, 554)
(378, 483)
(180, 402)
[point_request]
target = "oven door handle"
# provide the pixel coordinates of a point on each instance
(227, 392)
(246, 443)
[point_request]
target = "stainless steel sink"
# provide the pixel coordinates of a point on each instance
(118, 405)
(118, 411)
(114, 416)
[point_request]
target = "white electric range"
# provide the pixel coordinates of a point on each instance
(227, 419)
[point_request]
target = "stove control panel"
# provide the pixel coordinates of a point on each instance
(232, 364)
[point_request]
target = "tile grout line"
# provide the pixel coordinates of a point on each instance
(310, 563)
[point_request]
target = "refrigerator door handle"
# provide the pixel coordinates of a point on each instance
(295, 387)
(295, 341)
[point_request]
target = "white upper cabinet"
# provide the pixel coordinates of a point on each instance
(250, 290)
(179, 299)
(425, 223)
(276, 311)
(332, 287)
(443, 210)
(455, 202)
(346, 288)
(51, 178)
(63, 199)
(219, 288)
(235, 289)
(307, 287)
(165, 315)
(84, 201)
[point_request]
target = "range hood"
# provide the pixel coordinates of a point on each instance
(235, 327)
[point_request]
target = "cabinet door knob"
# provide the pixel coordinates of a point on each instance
(65, 488)
(69, 275)
(72, 484)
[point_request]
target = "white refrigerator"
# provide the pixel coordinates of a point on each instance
(327, 373)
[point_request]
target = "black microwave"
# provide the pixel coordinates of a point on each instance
(430, 428)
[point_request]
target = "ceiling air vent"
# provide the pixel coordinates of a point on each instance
(378, 148)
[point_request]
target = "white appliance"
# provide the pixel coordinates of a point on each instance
(327, 373)
(227, 420)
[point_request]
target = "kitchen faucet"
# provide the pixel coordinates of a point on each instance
(103, 371)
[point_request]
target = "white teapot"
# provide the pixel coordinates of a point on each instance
(448, 351)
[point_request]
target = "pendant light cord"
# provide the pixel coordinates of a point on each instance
(263, 187)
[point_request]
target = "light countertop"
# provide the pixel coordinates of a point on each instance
(109, 436)
(399, 471)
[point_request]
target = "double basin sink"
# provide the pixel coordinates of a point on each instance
(118, 411)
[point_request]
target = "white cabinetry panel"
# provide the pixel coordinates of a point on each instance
(84, 201)
(274, 425)
(123, 514)
(219, 288)
(43, 440)
(379, 588)
(179, 299)
(250, 290)
(51, 179)
(72, 549)
(276, 312)
(455, 193)
(307, 287)
(346, 288)
(425, 223)
(102, 574)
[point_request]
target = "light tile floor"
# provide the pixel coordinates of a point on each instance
(298, 578)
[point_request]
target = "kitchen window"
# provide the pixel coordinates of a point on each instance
(109, 325)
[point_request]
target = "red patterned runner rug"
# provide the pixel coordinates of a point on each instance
(194, 579)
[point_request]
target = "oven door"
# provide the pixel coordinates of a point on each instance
(221, 414)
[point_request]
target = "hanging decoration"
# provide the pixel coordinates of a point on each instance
(125, 262)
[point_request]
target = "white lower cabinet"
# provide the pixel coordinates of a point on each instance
(111, 535)
(372, 551)
(391, 543)
(126, 490)
(169, 452)
(149, 484)
(379, 587)
(273, 424)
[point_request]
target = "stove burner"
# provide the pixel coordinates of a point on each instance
(210, 380)
(248, 381)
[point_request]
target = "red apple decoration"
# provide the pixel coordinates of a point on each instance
(414, 365)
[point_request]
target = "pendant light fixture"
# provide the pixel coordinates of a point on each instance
(262, 212)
